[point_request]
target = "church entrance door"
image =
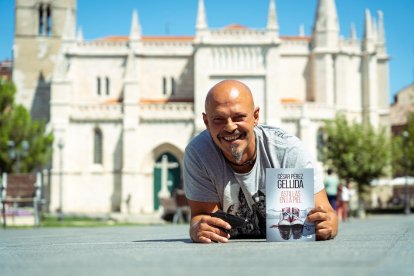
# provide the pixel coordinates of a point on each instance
(167, 175)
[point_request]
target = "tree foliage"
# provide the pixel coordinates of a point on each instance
(357, 152)
(403, 150)
(17, 127)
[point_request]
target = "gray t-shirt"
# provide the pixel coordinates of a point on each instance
(208, 177)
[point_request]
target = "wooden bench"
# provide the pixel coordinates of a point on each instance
(182, 212)
(176, 207)
(20, 190)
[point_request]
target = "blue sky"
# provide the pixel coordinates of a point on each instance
(177, 17)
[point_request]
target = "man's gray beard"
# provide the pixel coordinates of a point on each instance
(237, 154)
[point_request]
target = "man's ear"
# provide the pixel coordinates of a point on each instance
(256, 115)
(205, 119)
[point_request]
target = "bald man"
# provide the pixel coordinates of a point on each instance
(224, 168)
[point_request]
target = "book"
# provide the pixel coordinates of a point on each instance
(289, 199)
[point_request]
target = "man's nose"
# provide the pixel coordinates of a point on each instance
(230, 125)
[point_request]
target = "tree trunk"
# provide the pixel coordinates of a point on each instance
(361, 204)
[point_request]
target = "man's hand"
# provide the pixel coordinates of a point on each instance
(325, 223)
(207, 229)
(324, 217)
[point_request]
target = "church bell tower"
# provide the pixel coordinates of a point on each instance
(40, 26)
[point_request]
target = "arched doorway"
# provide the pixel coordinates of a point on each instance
(168, 168)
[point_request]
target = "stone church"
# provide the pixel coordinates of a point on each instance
(123, 108)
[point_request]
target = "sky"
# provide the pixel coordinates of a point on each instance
(177, 17)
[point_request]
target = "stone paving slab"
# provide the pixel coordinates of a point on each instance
(379, 245)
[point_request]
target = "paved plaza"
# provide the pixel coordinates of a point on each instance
(378, 245)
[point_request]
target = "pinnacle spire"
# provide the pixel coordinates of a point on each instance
(326, 26)
(374, 29)
(326, 17)
(272, 24)
(381, 29)
(79, 35)
(201, 16)
(135, 32)
(302, 30)
(381, 42)
(368, 40)
(352, 32)
(368, 26)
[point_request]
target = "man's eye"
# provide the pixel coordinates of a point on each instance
(218, 120)
(239, 118)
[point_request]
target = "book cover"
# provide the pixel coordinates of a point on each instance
(289, 198)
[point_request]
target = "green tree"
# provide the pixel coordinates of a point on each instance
(28, 139)
(358, 153)
(403, 150)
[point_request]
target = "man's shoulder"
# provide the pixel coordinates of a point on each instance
(272, 133)
(201, 139)
(201, 143)
(281, 146)
(202, 150)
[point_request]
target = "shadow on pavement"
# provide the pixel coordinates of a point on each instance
(167, 240)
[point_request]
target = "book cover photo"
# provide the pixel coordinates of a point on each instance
(289, 199)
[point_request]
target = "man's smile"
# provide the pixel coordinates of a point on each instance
(231, 137)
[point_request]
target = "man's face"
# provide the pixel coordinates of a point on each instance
(230, 118)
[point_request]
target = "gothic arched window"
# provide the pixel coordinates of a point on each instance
(107, 86)
(45, 19)
(97, 146)
(164, 86)
(172, 86)
(98, 85)
(48, 21)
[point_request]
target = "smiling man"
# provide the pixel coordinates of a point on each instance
(224, 168)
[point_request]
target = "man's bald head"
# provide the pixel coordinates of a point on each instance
(227, 91)
(230, 118)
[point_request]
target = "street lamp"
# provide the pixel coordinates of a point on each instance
(11, 150)
(407, 207)
(61, 145)
(23, 152)
(15, 153)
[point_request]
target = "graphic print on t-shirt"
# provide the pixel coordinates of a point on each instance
(255, 212)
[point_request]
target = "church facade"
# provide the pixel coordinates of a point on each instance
(123, 108)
